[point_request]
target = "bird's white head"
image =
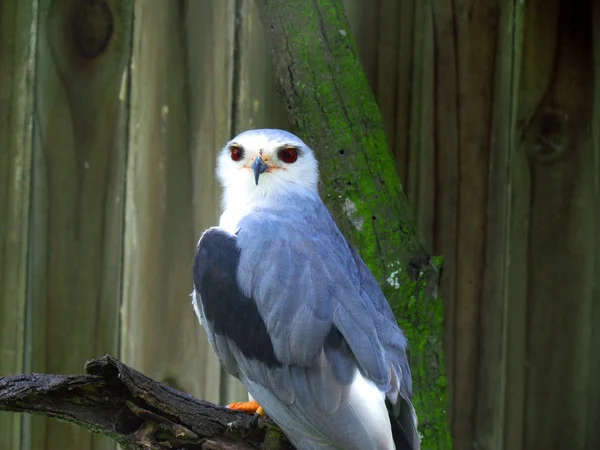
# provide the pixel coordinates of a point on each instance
(265, 164)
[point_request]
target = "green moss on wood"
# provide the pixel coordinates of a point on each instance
(333, 109)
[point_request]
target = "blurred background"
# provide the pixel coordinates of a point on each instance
(112, 113)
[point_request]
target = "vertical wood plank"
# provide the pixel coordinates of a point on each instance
(34, 436)
(593, 406)
(556, 136)
(18, 40)
(447, 178)
(406, 47)
(503, 358)
(83, 55)
(414, 109)
(210, 31)
(160, 333)
(421, 144)
(504, 273)
(385, 86)
(475, 84)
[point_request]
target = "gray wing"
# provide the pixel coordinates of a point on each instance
(306, 280)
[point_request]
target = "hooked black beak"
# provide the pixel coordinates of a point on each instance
(258, 166)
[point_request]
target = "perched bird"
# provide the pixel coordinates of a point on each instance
(291, 309)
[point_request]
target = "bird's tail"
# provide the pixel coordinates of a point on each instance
(404, 425)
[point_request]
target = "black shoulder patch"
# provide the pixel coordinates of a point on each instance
(229, 311)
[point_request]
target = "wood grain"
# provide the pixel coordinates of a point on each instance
(475, 60)
(18, 40)
(80, 154)
(160, 334)
(556, 116)
(593, 390)
(504, 297)
(447, 175)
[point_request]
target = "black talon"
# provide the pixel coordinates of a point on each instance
(254, 421)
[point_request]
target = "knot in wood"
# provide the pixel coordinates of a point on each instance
(92, 27)
(546, 137)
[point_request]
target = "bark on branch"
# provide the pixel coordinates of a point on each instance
(332, 108)
(136, 411)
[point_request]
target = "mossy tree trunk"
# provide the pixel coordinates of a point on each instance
(332, 108)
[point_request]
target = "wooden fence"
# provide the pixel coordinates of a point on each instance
(111, 114)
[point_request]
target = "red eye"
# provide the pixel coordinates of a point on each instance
(288, 155)
(237, 153)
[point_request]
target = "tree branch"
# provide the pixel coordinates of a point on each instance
(136, 411)
(332, 108)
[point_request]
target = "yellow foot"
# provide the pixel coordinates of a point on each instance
(250, 407)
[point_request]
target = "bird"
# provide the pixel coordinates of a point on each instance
(291, 309)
